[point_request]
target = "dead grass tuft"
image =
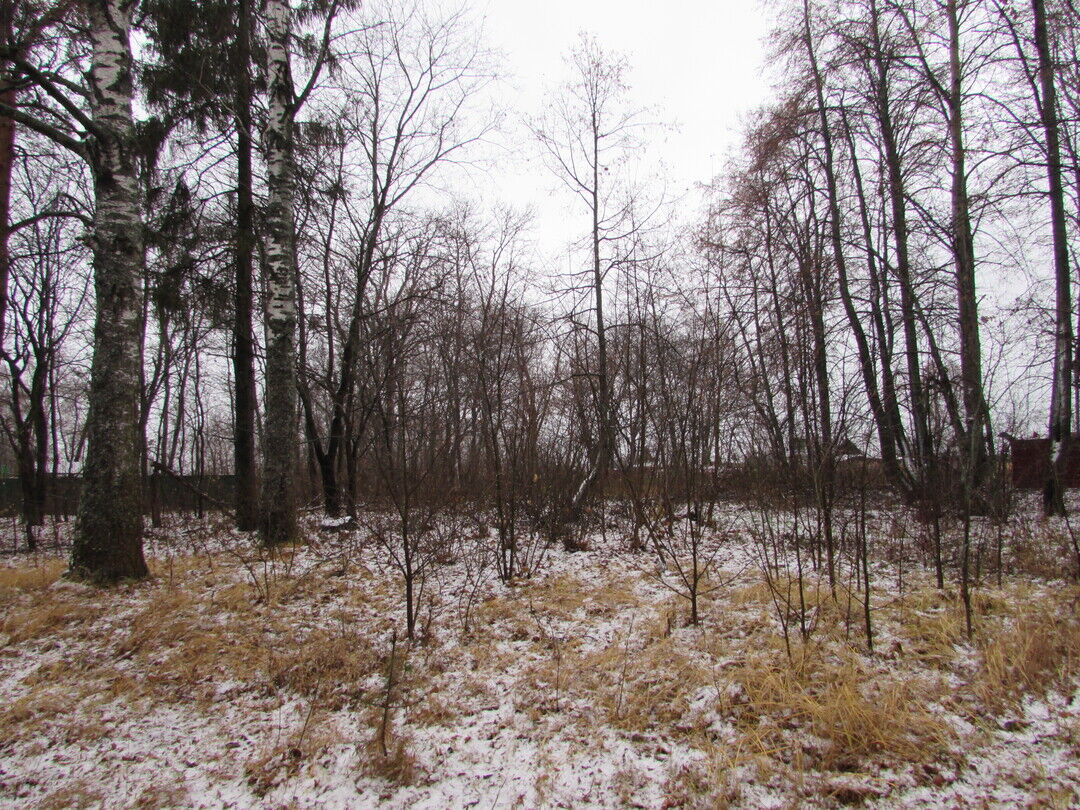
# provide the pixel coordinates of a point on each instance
(931, 626)
(1037, 651)
(39, 705)
(713, 782)
(46, 616)
(80, 793)
(435, 711)
(397, 766)
(29, 578)
(387, 753)
(327, 665)
(859, 716)
(560, 597)
(660, 682)
(821, 610)
(283, 759)
(64, 700)
(162, 796)
(165, 620)
(1037, 548)
(185, 641)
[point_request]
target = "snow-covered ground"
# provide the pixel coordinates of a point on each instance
(234, 679)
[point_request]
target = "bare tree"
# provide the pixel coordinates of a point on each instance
(587, 135)
(47, 295)
(408, 87)
(1061, 389)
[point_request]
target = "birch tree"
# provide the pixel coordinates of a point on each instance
(108, 543)
(279, 457)
(280, 436)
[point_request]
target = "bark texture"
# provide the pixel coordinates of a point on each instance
(279, 455)
(8, 95)
(1061, 400)
(108, 542)
(976, 412)
(247, 487)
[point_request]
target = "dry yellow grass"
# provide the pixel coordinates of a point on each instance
(28, 608)
(728, 689)
(30, 578)
(183, 644)
(641, 689)
(862, 715)
(558, 597)
(702, 785)
(80, 793)
(325, 665)
(48, 614)
(1037, 548)
(823, 612)
(165, 619)
(397, 766)
(39, 705)
(932, 630)
(1037, 651)
(281, 758)
(163, 794)
(436, 710)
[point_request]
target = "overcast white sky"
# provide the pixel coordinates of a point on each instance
(698, 63)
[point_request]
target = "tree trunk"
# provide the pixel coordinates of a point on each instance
(923, 449)
(976, 413)
(883, 405)
(247, 492)
(7, 163)
(108, 543)
(279, 455)
(1061, 399)
(39, 426)
(824, 478)
(605, 443)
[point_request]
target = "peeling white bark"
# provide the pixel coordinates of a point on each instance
(108, 544)
(279, 451)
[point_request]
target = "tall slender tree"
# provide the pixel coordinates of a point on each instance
(1061, 389)
(976, 412)
(9, 97)
(587, 135)
(280, 455)
(214, 40)
(244, 399)
(278, 517)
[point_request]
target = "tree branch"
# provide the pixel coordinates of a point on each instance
(26, 223)
(40, 127)
(320, 61)
(42, 81)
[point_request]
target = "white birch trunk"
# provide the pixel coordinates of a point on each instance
(108, 542)
(279, 440)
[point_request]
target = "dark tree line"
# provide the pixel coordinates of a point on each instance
(267, 271)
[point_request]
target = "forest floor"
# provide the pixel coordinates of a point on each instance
(233, 679)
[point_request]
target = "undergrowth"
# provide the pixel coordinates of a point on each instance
(578, 655)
